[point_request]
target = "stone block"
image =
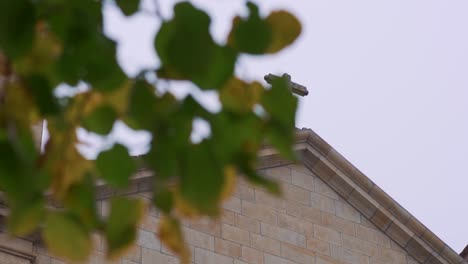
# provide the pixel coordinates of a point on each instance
(296, 194)
(318, 246)
(319, 259)
(245, 192)
(282, 234)
(321, 202)
(381, 197)
(299, 167)
(233, 203)
(352, 257)
(228, 217)
(251, 255)
(203, 256)
(346, 211)
(150, 223)
(271, 259)
(372, 235)
(297, 254)
(341, 184)
(323, 169)
(265, 244)
(282, 173)
(358, 245)
(247, 223)
(322, 188)
(337, 223)
(207, 226)
(415, 226)
(259, 212)
(433, 240)
(419, 250)
(268, 199)
(382, 219)
(295, 224)
(227, 248)
(235, 234)
(198, 239)
(327, 234)
(149, 256)
(302, 180)
(148, 239)
(399, 233)
(365, 204)
(390, 256)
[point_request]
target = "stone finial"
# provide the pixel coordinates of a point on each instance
(294, 87)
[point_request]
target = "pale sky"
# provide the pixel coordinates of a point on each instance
(388, 83)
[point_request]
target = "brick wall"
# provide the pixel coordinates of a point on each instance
(311, 224)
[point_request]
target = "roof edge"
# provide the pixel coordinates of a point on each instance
(371, 201)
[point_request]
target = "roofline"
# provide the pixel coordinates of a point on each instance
(371, 201)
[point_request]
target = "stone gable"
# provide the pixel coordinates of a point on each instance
(329, 213)
(310, 224)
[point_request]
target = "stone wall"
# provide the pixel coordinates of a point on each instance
(311, 224)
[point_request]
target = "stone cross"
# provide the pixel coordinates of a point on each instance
(294, 87)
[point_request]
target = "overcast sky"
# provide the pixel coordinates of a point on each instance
(388, 84)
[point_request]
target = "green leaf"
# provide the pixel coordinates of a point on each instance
(116, 166)
(201, 179)
(281, 105)
(17, 21)
(239, 96)
(254, 178)
(142, 104)
(80, 199)
(25, 216)
(163, 199)
(188, 51)
(43, 94)
(170, 233)
(128, 7)
(100, 120)
(251, 35)
(120, 233)
(65, 237)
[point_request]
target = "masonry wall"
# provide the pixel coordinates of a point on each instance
(311, 224)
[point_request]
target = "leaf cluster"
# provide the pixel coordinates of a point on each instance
(44, 44)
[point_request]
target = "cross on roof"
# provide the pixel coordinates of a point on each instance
(294, 87)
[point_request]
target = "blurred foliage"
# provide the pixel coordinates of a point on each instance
(44, 44)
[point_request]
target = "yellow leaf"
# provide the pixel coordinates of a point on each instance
(66, 164)
(25, 218)
(240, 96)
(19, 104)
(171, 235)
(183, 207)
(229, 182)
(66, 238)
(44, 53)
(119, 98)
(124, 217)
(286, 28)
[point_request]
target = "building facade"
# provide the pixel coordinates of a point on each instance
(329, 213)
